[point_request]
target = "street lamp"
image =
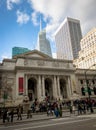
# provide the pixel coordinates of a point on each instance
(89, 92)
(87, 84)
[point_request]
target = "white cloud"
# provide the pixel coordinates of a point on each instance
(22, 18)
(52, 8)
(11, 2)
(57, 10)
(34, 19)
(4, 56)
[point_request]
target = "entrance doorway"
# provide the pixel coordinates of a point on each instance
(63, 89)
(32, 89)
(48, 88)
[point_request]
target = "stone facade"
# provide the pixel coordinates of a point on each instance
(37, 76)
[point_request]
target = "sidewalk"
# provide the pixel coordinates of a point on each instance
(43, 116)
(35, 117)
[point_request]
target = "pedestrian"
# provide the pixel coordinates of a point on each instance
(29, 113)
(8, 115)
(79, 108)
(70, 108)
(4, 114)
(84, 108)
(73, 109)
(56, 112)
(60, 110)
(91, 106)
(19, 111)
(12, 114)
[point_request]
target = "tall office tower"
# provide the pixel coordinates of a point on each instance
(19, 50)
(87, 54)
(67, 38)
(43, 44)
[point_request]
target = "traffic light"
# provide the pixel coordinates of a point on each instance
(89, 90)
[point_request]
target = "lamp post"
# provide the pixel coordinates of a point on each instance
(89, 92)
(87, 84)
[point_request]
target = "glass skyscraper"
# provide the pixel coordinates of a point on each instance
(19, 50)
(43, 44)
(67, 38)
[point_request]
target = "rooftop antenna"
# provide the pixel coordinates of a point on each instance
(40, 24)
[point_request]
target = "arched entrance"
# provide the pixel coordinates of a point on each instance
(32, 89)
(48, 88)
(63, 89)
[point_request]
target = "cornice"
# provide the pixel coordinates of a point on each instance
(44, 69)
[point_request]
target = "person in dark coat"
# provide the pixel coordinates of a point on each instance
(19, 112)
(12, 114)
(60, 110)
(70, 108)
(4, 115)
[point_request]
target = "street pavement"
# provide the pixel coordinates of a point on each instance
(43, 116)
(73, 122)
(35, 117)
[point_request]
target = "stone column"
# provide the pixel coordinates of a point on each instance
(73, 82)
(26, 86)
(69, 89)
(55, 94)
(39, 88)
(43, 88)
(58, 87)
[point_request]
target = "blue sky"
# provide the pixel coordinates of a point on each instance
(20, 20)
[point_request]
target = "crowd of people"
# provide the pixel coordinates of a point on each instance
(51, 108)
(7, 114)
(82, 106)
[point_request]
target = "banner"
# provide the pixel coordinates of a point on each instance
(20, 85)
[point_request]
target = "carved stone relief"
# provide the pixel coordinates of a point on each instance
(55, 64)
(40, 63)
